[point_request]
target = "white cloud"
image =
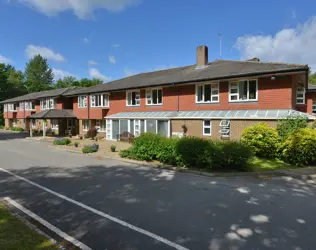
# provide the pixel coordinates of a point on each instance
(94, 73)
(116, 45)
(112, 59)
(86, 40)
(60, 74)
(33, 50)
(91, 62)
(295, 45)
(5, 60)
(82, 8)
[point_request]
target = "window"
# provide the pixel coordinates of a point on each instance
(154, 96)
(47, 104)
(207, 127)
(85, 125)
(54, 124)
(101, 125)
(12, 107)
(14, 122)
(82, 101)
(133, 98)
(246, 90)
(29, 105)
(207, 93)
(224, 128)
(314, 107)
(108, 130)
(5, 107)
(300, 94)
(100, 100)
(21, 105)
(33, 122)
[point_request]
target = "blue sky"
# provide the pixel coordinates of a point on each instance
(110, 39)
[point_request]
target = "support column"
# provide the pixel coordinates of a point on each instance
(44, 129)
(31, 129)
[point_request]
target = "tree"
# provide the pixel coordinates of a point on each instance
(311, 77)
(68, 81)
(38, 75)
(84, 82)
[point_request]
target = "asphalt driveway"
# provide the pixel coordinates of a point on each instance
(161, 209)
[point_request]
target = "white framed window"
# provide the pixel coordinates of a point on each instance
(154, 96)
(12, 107)
(100, 100)
(85, 125)
(29, 105)
(207, 93)
(54, 124)
(82, 101)
(21, 105)
(5, 107)
(224, 128)
(101, 125)
(109, 129)
(207, 127)
(47, 104)
(14, 122)
(33, 123)
(300, 94)
(244, 90)
(133, 98)
(314, 107)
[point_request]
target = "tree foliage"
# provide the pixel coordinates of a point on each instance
(312, 77)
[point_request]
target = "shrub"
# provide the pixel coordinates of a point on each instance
(76, 144)
(1, 127)
(289, 125)
(195, 152)
(262, 139)
(147, 147)
(231, 155)
(62, 141)
(113, 148)
(168, 153)
(90, 148)
(17, 129)
(126, 153)
(92, 132)
(300, 147)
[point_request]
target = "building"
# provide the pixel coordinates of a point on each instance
(215, 99)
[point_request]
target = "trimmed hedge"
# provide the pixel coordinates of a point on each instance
(262, 139)
(300, 148)
(62, 141)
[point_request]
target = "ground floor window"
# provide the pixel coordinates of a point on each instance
(224, 128)
(14, 122)
(54, 124)
(33, 122)
(101, 125)
(207, 127)
(85, 125)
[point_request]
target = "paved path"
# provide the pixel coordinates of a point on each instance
(91, 200)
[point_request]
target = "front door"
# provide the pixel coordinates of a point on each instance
(71, 125)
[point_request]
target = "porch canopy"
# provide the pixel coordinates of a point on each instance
(54, 114)
(268, 114)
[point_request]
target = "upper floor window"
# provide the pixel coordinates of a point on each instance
(245, 90)
(314, 107)
(12, 107)
(133, 98)
(300, 94)
(101, 100)
(82, 101)
(207, 93)
(154, 96)
(29, 105)
(47, 104)
(21, 105)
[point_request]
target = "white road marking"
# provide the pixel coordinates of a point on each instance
(48, 225)
(107, 216)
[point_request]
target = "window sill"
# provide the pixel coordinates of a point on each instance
(82, 107)
(133, 106)
(154, 104)
(207, 135)
(206, 103)
(101, 107)
(238, 102)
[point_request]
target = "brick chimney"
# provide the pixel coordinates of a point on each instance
(201, 56)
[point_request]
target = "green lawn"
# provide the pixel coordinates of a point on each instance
(260, 164)
(15, 235)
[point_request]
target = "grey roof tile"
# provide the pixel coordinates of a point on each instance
(53, 114)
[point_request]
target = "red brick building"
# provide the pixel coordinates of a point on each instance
(213, 99)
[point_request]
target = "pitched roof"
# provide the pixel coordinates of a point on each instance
(53, 114)
(264, 114)
(216, 70)
(42, 94)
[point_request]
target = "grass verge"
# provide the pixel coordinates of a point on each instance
(260, 164)
(14, 234)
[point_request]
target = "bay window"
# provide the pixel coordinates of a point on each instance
(47, 104)
(245, 90)
(133, 98)
(82, 101)
(154, 96)
(101, 100)
(207, 93)
(300, 94)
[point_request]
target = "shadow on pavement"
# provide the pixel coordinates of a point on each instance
(196, 212)
(7, 135)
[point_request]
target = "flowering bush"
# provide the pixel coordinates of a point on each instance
(62, 141)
